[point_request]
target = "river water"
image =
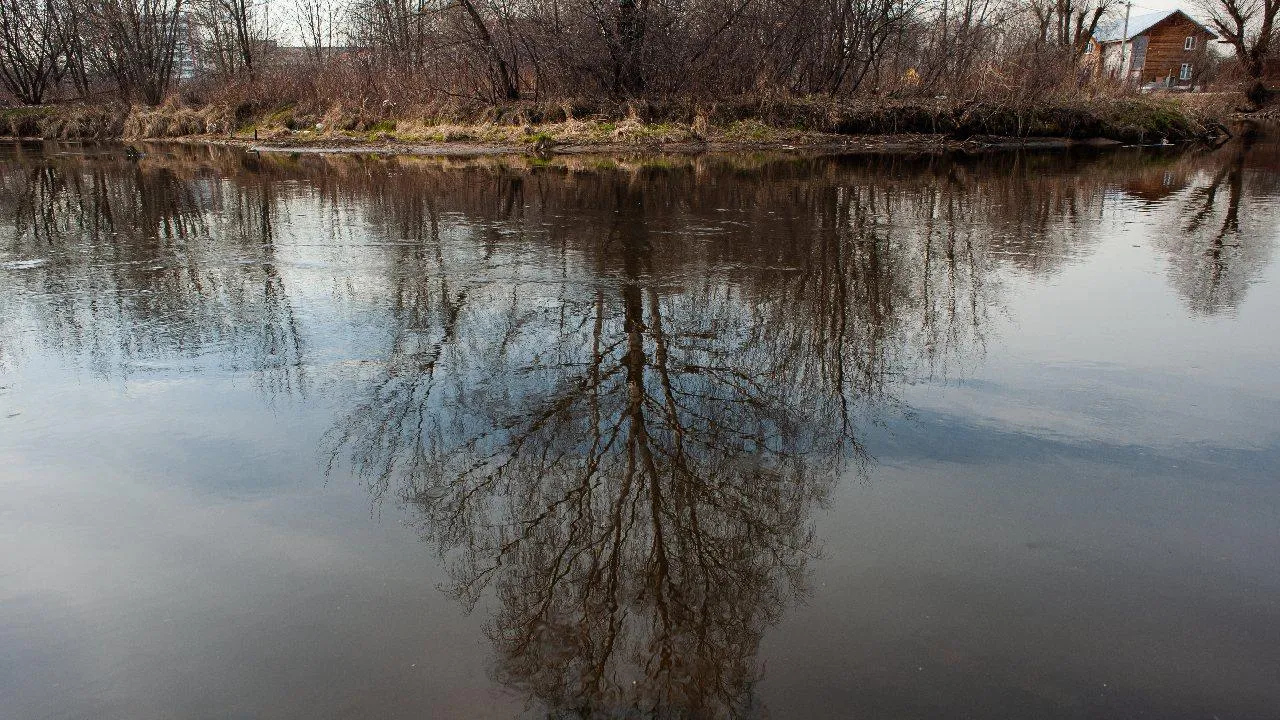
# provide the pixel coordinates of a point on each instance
(874, 436)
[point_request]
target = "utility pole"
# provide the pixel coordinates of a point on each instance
(1124, 45)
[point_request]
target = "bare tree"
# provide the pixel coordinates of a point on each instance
(832, 46)
(627, 44)
(77, 32)
(398, 30)
(474, 35)
(1249, 26)
(232, 34)
(1068, 23)
(963, 33)
(475, 27)
(318, 23)
(135, 43)
(31, 47)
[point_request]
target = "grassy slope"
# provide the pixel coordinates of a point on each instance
(801, 122)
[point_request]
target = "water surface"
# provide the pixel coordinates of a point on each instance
(875, 436)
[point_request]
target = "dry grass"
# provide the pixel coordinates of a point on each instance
(760, 121)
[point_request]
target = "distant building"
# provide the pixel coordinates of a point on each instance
(184, 55)
(1162, 49)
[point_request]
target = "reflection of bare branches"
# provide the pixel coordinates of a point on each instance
(612, 396)
(631, 466)
(639, 496)
(1214, 259)
(143, 264)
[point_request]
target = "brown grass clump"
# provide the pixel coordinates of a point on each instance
(174, 120)
(68, 122)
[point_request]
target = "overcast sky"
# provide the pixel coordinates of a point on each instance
(1146, 6)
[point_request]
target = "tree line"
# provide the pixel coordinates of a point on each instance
(505, 50)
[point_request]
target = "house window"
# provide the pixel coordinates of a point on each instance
(1186, 72)
(1190, 44)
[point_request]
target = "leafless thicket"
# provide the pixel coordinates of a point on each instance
(1249, 26)
(375, 53)
(229, 35)
(31, 42)
(131, 45)
(536, 49)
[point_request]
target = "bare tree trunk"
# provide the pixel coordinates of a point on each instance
(628, 74)
(1249, 27)
(506, 86)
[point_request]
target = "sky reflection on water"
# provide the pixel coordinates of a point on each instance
(695, 437)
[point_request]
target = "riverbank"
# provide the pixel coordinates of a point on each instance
(572, 127)
(813, 143)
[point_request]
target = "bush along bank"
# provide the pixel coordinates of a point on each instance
(545, 125)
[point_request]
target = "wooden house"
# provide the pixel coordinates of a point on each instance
(1162, 49)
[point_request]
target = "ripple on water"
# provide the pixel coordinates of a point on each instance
(24, 264)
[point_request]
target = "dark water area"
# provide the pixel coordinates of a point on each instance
(746, 436)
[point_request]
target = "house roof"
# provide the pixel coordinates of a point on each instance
(1139, 24)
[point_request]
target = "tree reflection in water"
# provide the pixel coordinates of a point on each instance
(631, 458)
(145, 261)
(1215, 255)
(612, 397)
